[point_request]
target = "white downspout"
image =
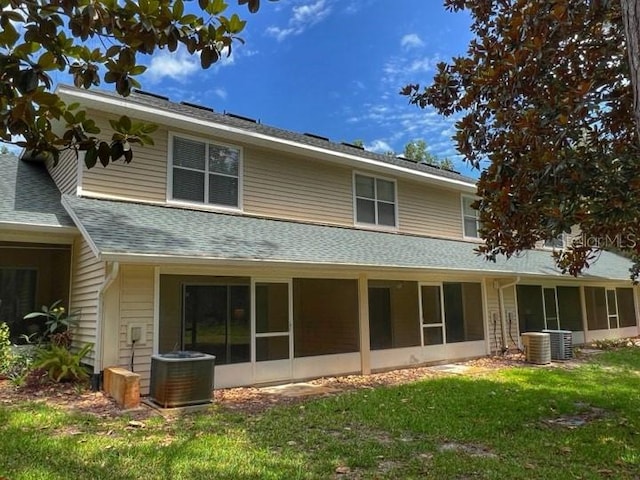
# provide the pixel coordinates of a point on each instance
(109, 279)
(503, 312)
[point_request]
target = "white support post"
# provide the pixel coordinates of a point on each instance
(363, 300)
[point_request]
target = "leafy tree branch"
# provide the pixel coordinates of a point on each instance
(37, 38)
(546, 98)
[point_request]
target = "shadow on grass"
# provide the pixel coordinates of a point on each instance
(393, 432)
(67, 445)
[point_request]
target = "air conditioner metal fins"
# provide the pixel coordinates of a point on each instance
(561, 344)
(537, 347)
(181, 379)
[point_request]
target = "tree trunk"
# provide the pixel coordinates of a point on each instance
(631, 19)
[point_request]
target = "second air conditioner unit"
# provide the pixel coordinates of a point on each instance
(561, 344)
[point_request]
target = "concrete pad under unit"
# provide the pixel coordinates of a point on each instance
(123, 386)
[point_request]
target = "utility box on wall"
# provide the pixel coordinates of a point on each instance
(181, 379)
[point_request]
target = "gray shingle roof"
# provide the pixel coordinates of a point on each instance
(118, 228)
(255, 127)
(28, 195)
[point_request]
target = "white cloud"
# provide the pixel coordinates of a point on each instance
(379, 146)
(279, 33)
(181, 66)
(402, 126)
(302, 17)
(221, 92)
(402, 70)
(178, 65)
(358, 85)
(411, 40)
(423, 64)
(225, 59)
(352, 7)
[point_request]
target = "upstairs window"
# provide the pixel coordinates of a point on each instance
(375, 201)
(205, 172)
(470, 218)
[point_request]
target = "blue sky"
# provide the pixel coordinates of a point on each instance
(329, 67)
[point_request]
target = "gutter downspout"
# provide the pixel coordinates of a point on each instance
(97, 364)
(503, 312)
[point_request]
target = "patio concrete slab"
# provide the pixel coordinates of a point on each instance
(452, 368)
(298, 390)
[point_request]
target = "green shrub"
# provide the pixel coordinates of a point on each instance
(57, 319)
(6, 353)
(61, 364)
(612, 343)
(20, 366)
(15, 362)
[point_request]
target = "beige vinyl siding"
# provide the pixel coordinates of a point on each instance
(136, 306)
(283, 186)
(511, 317)
(88, 273)
(493, 314)
(145, 178)
(278, 185)
(427, 210)
(65, 173)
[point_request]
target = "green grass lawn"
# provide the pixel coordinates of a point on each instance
(530, 423)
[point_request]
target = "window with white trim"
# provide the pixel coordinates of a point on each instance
(375, 200)
(470, 217)
(205, 172)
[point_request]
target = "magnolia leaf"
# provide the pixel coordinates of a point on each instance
(58, 38)
(91, 157)
(545, 106)
(125, 124)
(104, 153)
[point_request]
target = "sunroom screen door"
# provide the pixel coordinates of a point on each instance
(273, 340)
(216, 321)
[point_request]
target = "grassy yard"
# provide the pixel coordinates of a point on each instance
(532, 423)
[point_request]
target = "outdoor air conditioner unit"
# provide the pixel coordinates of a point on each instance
(561, 344)
(537, 347)
(180, 379)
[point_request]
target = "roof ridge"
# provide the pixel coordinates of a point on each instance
(162, 102)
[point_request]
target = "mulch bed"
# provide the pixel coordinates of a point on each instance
(244, 399)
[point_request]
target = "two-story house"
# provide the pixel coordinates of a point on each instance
(284, 254)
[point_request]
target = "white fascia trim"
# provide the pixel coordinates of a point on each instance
(37, 227)
(155, 259)
(94, 248)
(98, 100)
(79, 173)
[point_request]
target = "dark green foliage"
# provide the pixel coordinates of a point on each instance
(37, 38)
(546, 103)
(6, 355)
(61, 364)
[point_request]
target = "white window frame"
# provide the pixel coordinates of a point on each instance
(615, 317)
(555, 306)
(375, 225)
(476, 218)
(441, 324)
(204, 205)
